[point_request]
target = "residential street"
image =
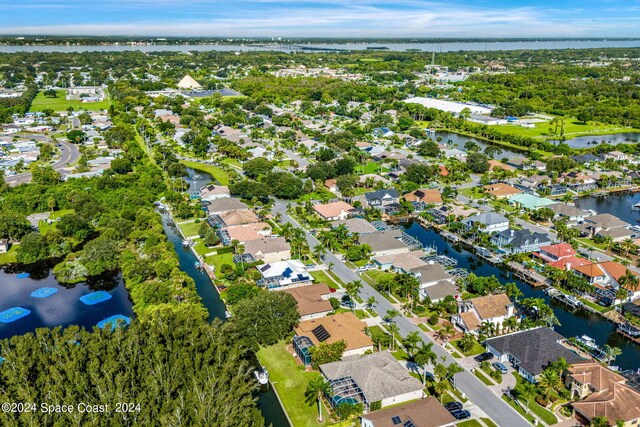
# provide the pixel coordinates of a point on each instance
(69, 154)
(475, 390)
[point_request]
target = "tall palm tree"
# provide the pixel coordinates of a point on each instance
(548, 382)
(411, 341)
(525, 391)
(424, 356)
(319, 251)
(393, 330)
(316, 388)
(611, 353)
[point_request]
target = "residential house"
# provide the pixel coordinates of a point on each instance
(605, 225)
(527, 164)
(331, 329)
(375, 377)
(331, 185)
(519, 241)
(220, 205)
(402, 262)
(586, 159)
(592, 272)
(603, 393)
(383, 199)
(355, 225)
(213, 192)
(474, 312)
(423, 197)
(333, 211)
(531, 351)
(568, 213)
(615, 271)
(423, 413)
(313, 300)
(615, 155)
(382, 132)
(244, 232)
(561, 256)
(434, 280)
(284, 273)
(4, 246)
(386, 242)
(268, 250)
(487, 222)
(232, 217)
(501, 190)
(454, 153)
(529, 201)
(494, 164)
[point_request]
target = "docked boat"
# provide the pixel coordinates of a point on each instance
(629, 329)
(636, 207)
(261, 375)
(590, 345)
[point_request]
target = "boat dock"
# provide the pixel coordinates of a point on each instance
(528, 275)
(566, 299)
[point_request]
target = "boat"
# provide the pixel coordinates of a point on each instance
(187, 243)
(261, 375)
(629, 329)
(590, 345)
(636, 207)
(227, 314)
(198, 265)
(588, 341)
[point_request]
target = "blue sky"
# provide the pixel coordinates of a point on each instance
(324, 18)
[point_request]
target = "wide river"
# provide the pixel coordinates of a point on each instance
(572, 323)
(443, 46)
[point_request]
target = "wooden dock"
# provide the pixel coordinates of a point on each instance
(529, 276)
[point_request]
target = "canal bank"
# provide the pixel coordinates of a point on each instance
(572, 322)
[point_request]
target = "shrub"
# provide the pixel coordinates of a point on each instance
(433, 319)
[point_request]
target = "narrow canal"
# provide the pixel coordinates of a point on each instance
(267, 400)
(572, 323)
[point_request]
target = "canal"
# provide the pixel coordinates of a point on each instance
(572, 323)
(267, 400)
(617, 204)
(594, 140)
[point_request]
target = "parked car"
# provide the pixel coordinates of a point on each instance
(453, 406)
(487, 355)
(461, 415)
(499, 367)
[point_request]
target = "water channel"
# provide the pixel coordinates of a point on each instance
(572, 323)
(617, 204)
(454, 140)
(594, 140)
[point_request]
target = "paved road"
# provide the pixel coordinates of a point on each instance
(69, 154)
(479, 393)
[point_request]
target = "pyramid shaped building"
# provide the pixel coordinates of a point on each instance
(188, 82)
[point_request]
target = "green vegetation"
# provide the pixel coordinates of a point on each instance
(469, 423)
(60, 103)
(290, 381)
(488, 422)
(10, 256)
(517, 407)
(190, 229)
(573, 128)
(218, 260)
(482, 377)
(216, 172)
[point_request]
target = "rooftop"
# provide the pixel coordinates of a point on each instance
(423, 413)
(309, 298)
(491, 306)
(338, 327)
(331, 210)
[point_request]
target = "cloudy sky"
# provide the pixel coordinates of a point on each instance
(324, 18)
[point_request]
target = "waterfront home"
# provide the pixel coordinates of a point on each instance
(610, 179)
(375, 377)
(523, 163)
(632, 308)
(604, 225)
(313, 300)
(4, 246)
(268, 250)
(531, 351)
(386, 242)
(381, 198)
(426, 412)
(519, 241)
(355, 225)
(424, 196)
(331, 329)
(586, 159)
(232, 217)
(244, 232)
(615, 271)
(220, 205)
(529, 201)
(561, 256)
(431, 275)
(400, 263)
(474, 312)
(592, 272)
(615, 155)
(487, 222)
(500, 190)
(603, 393)
(333, 211)
(568, 213)
(213, 192)
(284, 273)
(454, 153)
(494, 164)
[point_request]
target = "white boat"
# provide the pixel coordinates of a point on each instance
(636, 207)
(227, 314)
(589, 342)
(261, 375)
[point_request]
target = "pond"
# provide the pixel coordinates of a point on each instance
(594, 140)
(617, 204)
(572, 323)
(62, 308)
(458, 141)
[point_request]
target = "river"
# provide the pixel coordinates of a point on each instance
(458, 141)
(442, 46)
(267, 401)
(572, 323)
(63, 308)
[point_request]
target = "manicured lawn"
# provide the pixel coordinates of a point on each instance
(488, 422)
(290, 382)
(218, 259)
(572, 128)
(201, 248)
(43, 226)
(469, 423)
(468, 192)
(41, 102)
(543, 413)
(477, 349)
(232, 162)
(319, 194)
(377, 275)
(482, 377)
(217, 173)
(371, 167)
(190, 229)
(10, 256)
(515, 406)
(595, 306)
(321, 276)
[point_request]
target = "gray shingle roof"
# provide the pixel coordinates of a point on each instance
(488, 218)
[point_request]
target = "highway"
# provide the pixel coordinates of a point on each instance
(69, 154)
(480, 394)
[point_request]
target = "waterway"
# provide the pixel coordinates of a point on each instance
(572, 323)
(267, 401)
(458, 141)
(62, 308)
(611, 139)
(443, 46)
(617, 204)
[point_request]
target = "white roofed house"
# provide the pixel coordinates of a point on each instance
(488, 222)
(284, 273)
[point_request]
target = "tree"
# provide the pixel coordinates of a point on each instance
(256, 167)
(50, 93)
(467, 343)
(76, 136)
(327, 353)
(316, 388)
(549, 382)
(611, 353)
(33, 248)
(477, 162)
(13, 225)
(241, 291)
(525, 391)
(411, 341)
(267, 318)
(424, 356)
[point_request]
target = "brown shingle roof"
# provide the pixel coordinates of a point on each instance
(309, 298)
(343, 326)
(491, 305)
(424, 413)
(619, 402)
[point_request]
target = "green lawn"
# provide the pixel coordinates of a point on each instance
(371, 167)
(482, 377)
(320, 194)
(290, 382)
(201, 248)
(217, 173)
(469, 423)
(542, 413)
(60, 103)
(190, 229)
(217, 260)
(232, 162)
(515, 406)
(43, 226)
(477, 349)
(572, 128)
(10, 256)
(321, 276)
(488, 422)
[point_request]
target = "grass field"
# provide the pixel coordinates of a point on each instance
(217, 260)
(291, 381)
(482, 377)
(10, 256)
(469, 423)
(488, 422)
(43, 226)
(190, 229)
(60, 103)
(572, 128)
(322, 277)
(477, 349)
(217, 173)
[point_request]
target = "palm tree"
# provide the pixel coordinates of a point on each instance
(411, 341)
(424, 356)
(393, 330)
(316, 388)
(525, 391)
(452, 370)
(391, 314)
(548, 382)
(240, 251)
(371, 302)
(444, 333)
(488, 328)
(319, 251)
(611, 353)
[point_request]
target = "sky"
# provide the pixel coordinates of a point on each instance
(323, 18)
